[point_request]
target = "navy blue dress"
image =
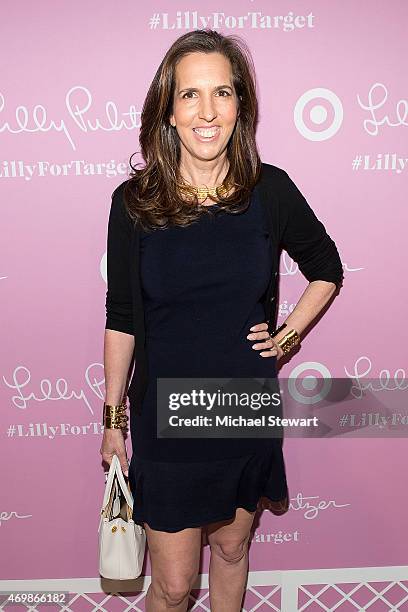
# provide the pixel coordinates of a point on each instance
(202, 288)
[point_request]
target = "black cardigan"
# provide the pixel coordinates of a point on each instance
(292, 225)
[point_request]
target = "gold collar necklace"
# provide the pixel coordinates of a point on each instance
(204, 192)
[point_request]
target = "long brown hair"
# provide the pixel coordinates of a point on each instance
(151, 194)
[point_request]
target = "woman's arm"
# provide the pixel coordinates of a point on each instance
(305, 238)
(312, 301)
(307, 242)
(119, 340)
(316, 295)
(118, 353)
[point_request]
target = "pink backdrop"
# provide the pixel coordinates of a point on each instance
(73, 80)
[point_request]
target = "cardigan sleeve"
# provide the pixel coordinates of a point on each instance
(119, 311)
(305, 238)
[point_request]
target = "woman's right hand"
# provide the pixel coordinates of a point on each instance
(113, 443)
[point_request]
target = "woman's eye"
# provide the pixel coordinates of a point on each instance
(189, 94)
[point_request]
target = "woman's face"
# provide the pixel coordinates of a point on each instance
(205, 105)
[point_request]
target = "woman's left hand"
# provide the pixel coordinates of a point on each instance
(268, 348)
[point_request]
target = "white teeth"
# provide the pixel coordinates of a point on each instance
(206, 133)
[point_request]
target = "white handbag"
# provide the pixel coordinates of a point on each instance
(122, 542)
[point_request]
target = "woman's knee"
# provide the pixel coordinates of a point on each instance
(174, 591)
(231, 551)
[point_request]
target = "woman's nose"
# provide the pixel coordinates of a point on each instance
(207, 109)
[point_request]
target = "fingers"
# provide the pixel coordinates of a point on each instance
(113, 444)
(259, 327)
(268, 346)
(124, 464)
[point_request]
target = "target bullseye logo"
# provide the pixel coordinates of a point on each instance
(312, 388)
(318, 114)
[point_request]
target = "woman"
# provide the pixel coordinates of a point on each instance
(189, 275)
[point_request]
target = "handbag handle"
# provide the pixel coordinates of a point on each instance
(116, 470)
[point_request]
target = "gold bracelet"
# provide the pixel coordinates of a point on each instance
(115, 417)
(288, 341)
(117, 422)
(113, 411)
(122, 405)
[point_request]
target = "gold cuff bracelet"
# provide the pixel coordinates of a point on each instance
(288, 341)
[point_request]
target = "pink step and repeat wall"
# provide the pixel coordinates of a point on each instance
(332, 82)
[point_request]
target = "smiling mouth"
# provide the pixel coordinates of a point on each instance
(207, 133)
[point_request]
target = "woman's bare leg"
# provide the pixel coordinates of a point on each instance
(175, 559)
(228, 572)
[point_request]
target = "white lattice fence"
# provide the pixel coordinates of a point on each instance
(375, 589)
